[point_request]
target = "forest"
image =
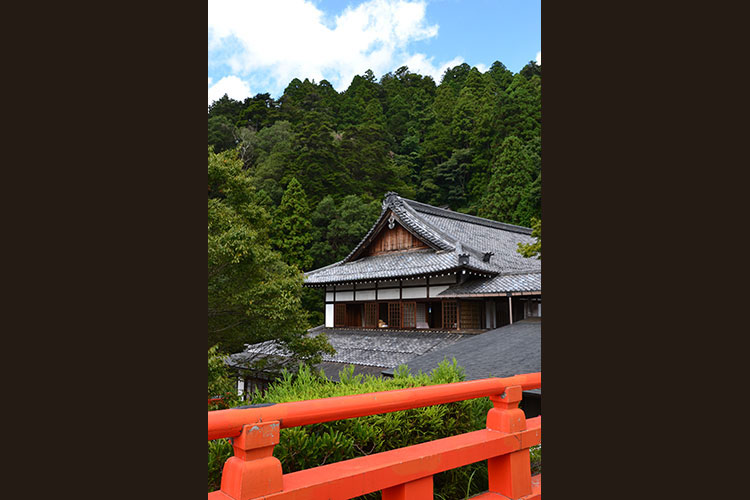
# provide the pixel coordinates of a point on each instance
(295, 182)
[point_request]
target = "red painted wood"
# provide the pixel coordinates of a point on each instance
(363, 475)
(228, 423)
(402, 474)
(421, 489)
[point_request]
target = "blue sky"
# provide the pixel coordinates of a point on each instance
(257, 46)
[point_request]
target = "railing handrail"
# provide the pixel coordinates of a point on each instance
(228, 423)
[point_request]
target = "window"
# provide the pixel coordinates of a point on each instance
(449, 314)
(394, 315)
(471, 314)
(339, 315)
(371, 314)
(410, 315)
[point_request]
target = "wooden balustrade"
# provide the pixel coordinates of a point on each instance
(401, 474)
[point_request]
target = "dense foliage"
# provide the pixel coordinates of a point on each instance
(460, 143)
(253, 295)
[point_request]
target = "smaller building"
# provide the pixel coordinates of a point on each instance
(369, 351)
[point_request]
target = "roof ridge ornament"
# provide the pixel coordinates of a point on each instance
(390, 198)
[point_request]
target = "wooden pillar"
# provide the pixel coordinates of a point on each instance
(458, 314)
(419, 489)
(510, 308)
(510, 474)
(253, 471)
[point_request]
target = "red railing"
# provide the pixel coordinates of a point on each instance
(401, 474)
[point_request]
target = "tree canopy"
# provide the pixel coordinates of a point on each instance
(253, 295)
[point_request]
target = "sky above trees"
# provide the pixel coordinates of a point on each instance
(258, 46)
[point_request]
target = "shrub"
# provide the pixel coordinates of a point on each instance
(221, 384)
(319, 444)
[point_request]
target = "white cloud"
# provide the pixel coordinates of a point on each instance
(230, 85)
(418, 63)
(270, 42)
(539, 58)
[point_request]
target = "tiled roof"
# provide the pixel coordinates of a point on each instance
(449, 234)
(377, 348)
(502, 352)
(412, 263)
(504, 283)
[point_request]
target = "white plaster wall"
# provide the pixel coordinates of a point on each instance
(364, 295)
(434, 290)
(489, 308)
(344, 296)
(329, 296)
(329, 315)
(414, 293)
(389, 293)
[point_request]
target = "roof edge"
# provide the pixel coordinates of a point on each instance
(473, 219)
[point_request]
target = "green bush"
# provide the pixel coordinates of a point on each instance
(221, 384)
(319, 444)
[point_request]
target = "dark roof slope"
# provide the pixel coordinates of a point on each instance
(502, 352)
(519, 282)
(449, 234)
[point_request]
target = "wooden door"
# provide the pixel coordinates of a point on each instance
(371, 314)
(409, 314)
(450, 316)
(339, 315)
(394, 314)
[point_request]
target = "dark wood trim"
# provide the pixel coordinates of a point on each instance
(458, 314)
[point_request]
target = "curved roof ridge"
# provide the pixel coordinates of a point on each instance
(459, 246)
(411, 221)
(473, 219)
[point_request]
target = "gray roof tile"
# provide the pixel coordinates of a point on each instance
(382, 348)
(449, 234)
(522, 282)
(502, 352)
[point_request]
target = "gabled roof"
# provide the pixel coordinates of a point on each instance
(456, 242)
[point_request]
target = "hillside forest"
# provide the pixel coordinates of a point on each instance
(296, 182)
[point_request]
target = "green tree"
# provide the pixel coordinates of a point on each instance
(533, 249)
(253, 296)
(339, 227)
(512, 175)
(313, 158)
(292, 227)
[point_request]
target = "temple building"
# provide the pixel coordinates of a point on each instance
(423, 285)
(422, 267)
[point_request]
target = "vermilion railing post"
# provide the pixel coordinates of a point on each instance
(510, 474)
(253, 471)
(420, 489)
